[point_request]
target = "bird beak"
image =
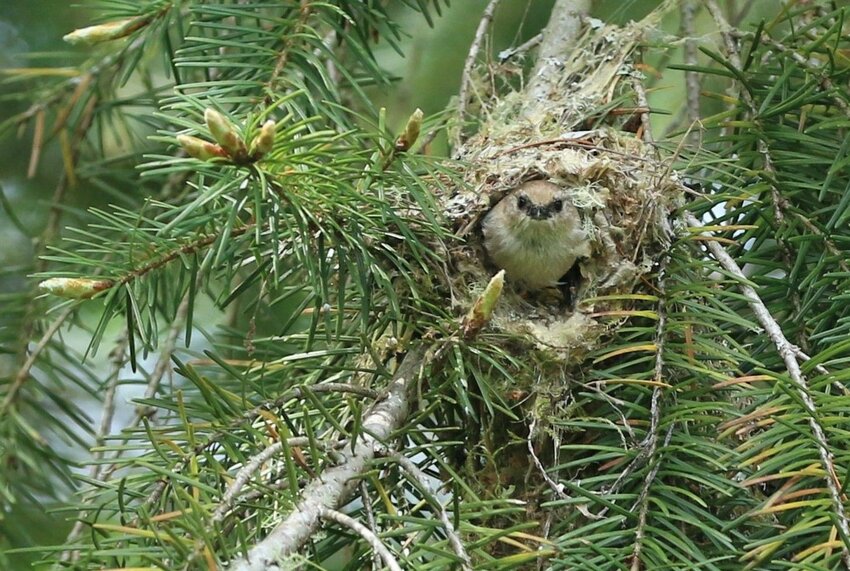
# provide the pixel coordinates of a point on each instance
(538, 212)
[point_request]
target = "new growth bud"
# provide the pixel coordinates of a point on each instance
(264, 141)
(106, 32)
(74, 288)
(411, 131)
(482, 309)
(199, 148)
(226, 135)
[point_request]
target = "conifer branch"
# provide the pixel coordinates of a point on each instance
(192, 247)
(789, 357)
(253, 413)
(334, 486)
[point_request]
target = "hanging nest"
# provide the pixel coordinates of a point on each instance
(623, 191)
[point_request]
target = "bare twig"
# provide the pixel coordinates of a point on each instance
(651, 440)
(640, 94)
(505, 55)
(466, 77)
(828, 87)
(24, 372)
(117, 357)
(80, 83)
(730, 42)
(334, 486)
(370, 518)
(553, 485)
(781, 205)
(362, 531)
(47, 236)
(802, 356)
(830, 245)
(826, 84)
(550, 514)
(154, 380)
(290, 38)
(640, 530)
(742, 13)
(787, 351)
(105, 471)
(240, 480)
(650, 443)
(163, 364)
(77, 84)
(328, 42)
(431, 495)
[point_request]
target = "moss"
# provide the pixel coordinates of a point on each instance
(625, 196)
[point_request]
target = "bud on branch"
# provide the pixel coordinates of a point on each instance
(74, 288)
(106, 32)
(411, 131)
(482, 309)
(225, 134)
(264, 141)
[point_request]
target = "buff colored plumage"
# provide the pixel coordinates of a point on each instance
(535, 234)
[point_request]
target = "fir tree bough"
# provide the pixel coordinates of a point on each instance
(364, 393)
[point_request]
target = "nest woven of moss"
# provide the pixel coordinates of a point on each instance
(623, 191)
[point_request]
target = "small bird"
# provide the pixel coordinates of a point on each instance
(535, 234)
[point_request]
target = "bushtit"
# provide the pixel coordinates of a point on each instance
(535, 234)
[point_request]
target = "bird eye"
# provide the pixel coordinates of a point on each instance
(557, 205)
(522, 202)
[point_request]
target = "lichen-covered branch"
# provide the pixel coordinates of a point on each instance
(558, 43)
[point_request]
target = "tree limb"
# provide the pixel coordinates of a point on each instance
(334, 486)
(558, 37)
